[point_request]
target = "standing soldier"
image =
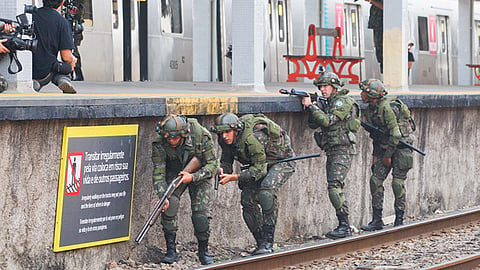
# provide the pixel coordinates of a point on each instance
(255, 141)
(339, 120)
(180, 140)
(393, 117)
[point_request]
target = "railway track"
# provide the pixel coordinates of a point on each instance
(309, 253)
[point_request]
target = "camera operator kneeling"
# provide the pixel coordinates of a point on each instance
(54, 35)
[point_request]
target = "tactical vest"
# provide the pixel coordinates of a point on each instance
(403, 117)
(403, 114)
(194, 145)
(277, 147)
(341, 132)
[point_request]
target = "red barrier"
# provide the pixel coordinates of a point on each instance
(316, 60)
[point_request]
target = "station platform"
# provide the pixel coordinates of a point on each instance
(152, 99)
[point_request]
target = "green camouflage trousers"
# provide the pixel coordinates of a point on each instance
(260, 205)
(201, 194)
(338, 164)
(402, 162)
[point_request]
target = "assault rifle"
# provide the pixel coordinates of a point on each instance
(320, 101)
(376, 130)
(193, 165)
(217, 177)
(285, 160)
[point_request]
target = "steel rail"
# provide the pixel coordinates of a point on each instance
(468, 262)
(311, 252)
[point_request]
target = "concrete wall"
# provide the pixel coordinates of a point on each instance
(446, 179)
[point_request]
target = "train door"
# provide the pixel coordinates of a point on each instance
(118, 41)
(443, 51)
(476, 50)
(351, 37)
(278, 40)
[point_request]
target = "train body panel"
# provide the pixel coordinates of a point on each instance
(430, 25)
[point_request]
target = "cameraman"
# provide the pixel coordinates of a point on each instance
(54, 35)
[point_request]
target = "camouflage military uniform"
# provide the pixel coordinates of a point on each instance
(337, 140)
(259, 143)
(392, 116)
(168, 161)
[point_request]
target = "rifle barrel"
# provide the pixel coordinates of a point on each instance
(371, 128)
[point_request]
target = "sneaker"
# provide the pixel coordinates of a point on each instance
(36, 85)
(66, 86)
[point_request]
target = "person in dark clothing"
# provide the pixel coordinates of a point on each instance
(375, 22)
(54, 35)
(411, 58)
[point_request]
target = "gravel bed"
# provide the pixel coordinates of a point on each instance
(416, 253)
(420, 252)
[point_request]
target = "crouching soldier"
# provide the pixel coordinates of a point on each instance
(180, 140)
(257, 142)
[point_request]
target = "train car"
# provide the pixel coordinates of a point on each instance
(430, 26)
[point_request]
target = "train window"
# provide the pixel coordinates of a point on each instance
(132, 17)
(423, 34)
(478, 36)
(345, 29)
(171, 17)
(115, 14)
(444, 38)
(354, 27)
(281, 22)
(270, 15)
(87, 13)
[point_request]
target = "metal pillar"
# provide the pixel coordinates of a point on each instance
(248, 27)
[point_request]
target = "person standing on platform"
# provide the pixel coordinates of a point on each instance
(411, 58)
(375, 22)
(257, 142)
(393, 117)
(180, 140)
(337, 115)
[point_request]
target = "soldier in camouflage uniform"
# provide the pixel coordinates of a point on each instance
(181, 139)
(393, 117)
(255, 141)
(338, 118)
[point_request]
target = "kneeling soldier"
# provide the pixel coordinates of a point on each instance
(255, 141)
(180, 140)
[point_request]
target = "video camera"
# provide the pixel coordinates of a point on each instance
(73, 12)
(15, 41)
(22, 28)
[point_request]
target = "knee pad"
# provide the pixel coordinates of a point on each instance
(375, 183)
(172, 209)
(398, 187)
(336, 197)
(200, 222)
(267, 200)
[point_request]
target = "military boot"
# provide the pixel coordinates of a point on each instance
(343, 229)
(203, 255)
(267, 241)
(376, 223)
(398, 218)
(258, 235)
(171, 255)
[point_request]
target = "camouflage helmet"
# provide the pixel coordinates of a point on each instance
(226, 122)
(374, 88)
(173, 126)
(328, 78)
